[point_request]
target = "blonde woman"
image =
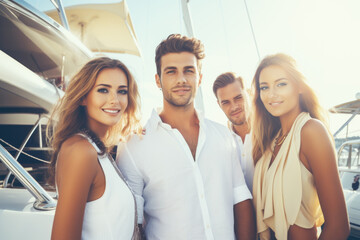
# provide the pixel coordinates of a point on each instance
(99, 107)
(296, 183)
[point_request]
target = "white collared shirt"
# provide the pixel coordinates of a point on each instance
(244, 150)
(182, 198)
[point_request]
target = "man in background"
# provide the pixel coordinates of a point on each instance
(233, 99)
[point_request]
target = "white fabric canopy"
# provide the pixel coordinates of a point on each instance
(102, 27)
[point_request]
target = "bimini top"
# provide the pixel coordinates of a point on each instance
(102, 27)
(352, 107)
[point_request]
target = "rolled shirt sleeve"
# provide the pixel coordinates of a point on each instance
(133, 177)
(241, 191)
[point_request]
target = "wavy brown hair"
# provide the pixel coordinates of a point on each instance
(264, 125)
(69, 116)
(176, 43)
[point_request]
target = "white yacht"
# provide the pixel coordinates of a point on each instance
(38, 55)
(349, 166)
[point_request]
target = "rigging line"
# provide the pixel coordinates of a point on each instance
(252, 30)
(180, 17)
(25, 153)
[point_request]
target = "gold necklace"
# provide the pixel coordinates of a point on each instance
(279, 140)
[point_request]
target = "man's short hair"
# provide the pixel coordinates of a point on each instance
(176, 43)
(225, 79)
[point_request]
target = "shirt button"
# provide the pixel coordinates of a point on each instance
(202, 195)
(207, 226)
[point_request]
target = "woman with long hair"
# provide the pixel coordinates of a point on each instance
(99, 108)
(296, 183)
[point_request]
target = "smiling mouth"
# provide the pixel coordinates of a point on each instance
(181, 90)
(275, 103)
(235, 113)
(111, 110)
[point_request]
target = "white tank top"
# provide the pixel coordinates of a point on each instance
(112, 215)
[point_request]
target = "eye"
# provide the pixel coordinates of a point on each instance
(224, 103)
(102, 90)
(123, 91)
(170, 72)
(281, 84)
(189, 71)
(238, 97)
(263, 88)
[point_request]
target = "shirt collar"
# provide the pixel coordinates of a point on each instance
(155, 120)
(231, 128)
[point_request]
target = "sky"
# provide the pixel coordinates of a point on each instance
(322, 35)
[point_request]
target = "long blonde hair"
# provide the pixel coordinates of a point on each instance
(264, 125)
(69, 116)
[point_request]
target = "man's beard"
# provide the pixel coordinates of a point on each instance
(238, 122)
(180, 102)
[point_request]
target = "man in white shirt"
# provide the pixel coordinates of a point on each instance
(233, 99)
(184, 170)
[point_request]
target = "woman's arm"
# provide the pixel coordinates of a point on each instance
(75, 171)
(318, 154)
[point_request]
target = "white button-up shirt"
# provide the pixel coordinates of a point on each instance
(182, 198)
(244, 150)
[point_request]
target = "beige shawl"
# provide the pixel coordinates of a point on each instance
(278, 189)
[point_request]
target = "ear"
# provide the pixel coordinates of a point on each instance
(200, 78)
(300, 88)
(217, 100)
(83, 102)
(158, 80)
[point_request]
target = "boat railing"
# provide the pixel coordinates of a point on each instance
(30, 133)
(349, 156)
(349, 170)
(43, 200)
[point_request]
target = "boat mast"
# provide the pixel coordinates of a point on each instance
(199, 101)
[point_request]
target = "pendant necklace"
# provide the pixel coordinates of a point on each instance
(279, 140)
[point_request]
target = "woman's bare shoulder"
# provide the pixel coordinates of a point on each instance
(77, 152)
(313, 129)
(316, 144)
